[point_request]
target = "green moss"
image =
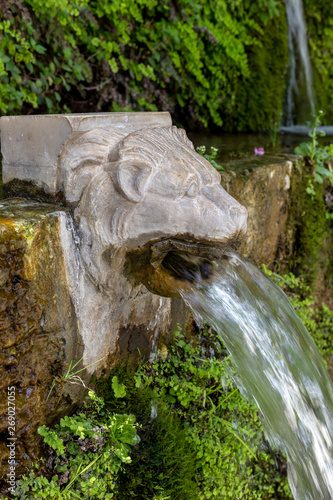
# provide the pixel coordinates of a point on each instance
(164, 462)
(319, 21)
(311, 230)
(259, 96)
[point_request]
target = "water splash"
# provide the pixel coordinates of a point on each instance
(299, 59)
(278, 366)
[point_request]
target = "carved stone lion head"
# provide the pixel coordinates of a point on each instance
(148, 186)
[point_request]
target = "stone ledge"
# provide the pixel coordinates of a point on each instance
(30, 145)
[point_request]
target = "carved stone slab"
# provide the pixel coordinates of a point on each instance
(30, 145)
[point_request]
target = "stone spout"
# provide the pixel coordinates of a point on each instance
(129, 179)
(136, 190)
(109, 200)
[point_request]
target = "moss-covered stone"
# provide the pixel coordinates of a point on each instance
(310, 247)
(263, 187)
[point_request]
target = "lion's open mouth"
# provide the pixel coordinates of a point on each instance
(187, 268)
(168, 266)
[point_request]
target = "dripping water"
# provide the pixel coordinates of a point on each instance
(278, 366)
(300, 65)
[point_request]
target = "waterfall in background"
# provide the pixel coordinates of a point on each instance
(300, 66)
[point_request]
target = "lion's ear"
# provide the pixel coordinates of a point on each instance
(132, 179)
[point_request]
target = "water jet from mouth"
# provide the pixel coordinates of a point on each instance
(185, 268)
(278, 366)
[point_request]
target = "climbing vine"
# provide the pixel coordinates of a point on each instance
(187, 57)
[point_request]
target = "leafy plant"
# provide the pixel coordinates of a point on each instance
(274, 132)
(190, 58)
(317, 157)
(87, 453)
(210, 157)
(196, 381)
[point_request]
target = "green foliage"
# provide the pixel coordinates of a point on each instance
(39, 60)
(210, 157)
(90, 449)
(199, 438)
(309, 254)
(186, 57)
(316, 156)
(319, 21)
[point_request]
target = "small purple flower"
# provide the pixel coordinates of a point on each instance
(259, 151)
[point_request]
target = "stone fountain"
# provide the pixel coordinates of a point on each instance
(97, 203)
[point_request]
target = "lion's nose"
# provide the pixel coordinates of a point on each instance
(235, 212)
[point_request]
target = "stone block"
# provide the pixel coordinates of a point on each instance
(30, 145)
(264, 189)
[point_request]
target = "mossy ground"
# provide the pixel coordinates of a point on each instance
(190, 448)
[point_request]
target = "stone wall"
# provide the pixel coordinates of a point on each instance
(263, 187)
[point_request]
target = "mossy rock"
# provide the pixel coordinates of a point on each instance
(310, 252)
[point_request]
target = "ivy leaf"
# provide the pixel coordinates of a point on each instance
(40, 49)
(4, 58)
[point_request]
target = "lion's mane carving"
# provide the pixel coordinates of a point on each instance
(127, 190)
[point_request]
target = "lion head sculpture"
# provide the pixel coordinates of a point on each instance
(150, 185)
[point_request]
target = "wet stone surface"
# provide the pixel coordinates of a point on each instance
(33, 318)
(46, 322)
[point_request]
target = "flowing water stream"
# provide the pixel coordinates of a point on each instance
(278, 366)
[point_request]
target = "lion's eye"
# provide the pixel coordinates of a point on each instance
(192, 190)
